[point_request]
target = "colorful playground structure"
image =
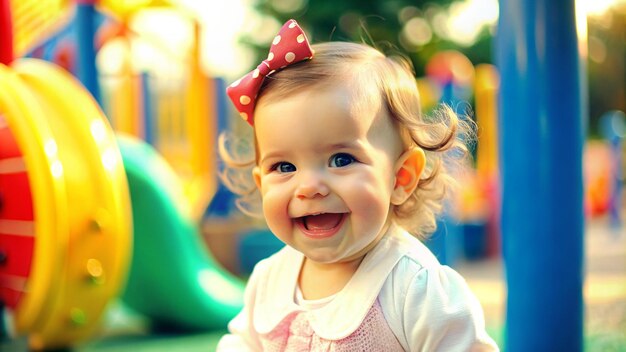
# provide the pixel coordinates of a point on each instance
(104, 184)
(66, 247)
(87, 217)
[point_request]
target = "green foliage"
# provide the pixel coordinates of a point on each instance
(375, 22)
(606, 68)
(380, 23)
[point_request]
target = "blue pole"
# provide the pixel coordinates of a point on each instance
(541, 144)
(86, 51)
(222, 105)
(149, 116)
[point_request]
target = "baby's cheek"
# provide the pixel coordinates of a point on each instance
(275, 207)
(371, 202)
(374, 206)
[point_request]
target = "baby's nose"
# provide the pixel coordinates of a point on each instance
(312, 186)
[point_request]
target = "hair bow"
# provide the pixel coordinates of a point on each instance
(289, 46)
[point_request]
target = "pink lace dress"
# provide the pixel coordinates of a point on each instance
(294, 333)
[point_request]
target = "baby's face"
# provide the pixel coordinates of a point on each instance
(326, 172)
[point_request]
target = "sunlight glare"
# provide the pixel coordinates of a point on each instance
(466, 19)
(222, 22)
(596, 7)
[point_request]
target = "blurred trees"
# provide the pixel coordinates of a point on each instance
(606, 67)
(417, 29)
(414, 28)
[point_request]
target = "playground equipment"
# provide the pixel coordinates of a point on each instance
(29, 22)
(599, 178)
(86, 12)
(175, 109)
(486, 89)
(65, 218)
(455, 74)
(613, 126)
(472, 225)
(187, 289)
(66, 227)
(541, 103)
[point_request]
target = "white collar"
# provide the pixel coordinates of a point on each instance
(344, 314)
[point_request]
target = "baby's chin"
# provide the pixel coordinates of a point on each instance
(321, 255)
(332, 255)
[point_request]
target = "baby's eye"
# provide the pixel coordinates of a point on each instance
(341, 160)
(283, 167)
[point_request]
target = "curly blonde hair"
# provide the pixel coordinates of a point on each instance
(443, 135)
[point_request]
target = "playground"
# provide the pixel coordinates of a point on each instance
(118, 234)
(604, 292)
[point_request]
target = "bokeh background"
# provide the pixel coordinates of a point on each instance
(156, 71)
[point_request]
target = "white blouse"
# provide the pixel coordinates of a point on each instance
(428, 306)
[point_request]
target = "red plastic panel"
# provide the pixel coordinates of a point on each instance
(17, 237)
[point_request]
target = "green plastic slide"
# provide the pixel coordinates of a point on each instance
(173, 279)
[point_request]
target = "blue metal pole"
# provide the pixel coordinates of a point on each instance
(541, 144)
(149, 116)
(86, 51)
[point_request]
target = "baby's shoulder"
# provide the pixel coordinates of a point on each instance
(415, 256)
(427, 303)
(418, 273)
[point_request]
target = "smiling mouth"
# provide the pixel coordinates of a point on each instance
(321, 225)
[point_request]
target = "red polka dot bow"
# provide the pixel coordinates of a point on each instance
(289, 46)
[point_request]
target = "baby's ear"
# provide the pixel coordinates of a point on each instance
(256, 175)
(408, 169)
